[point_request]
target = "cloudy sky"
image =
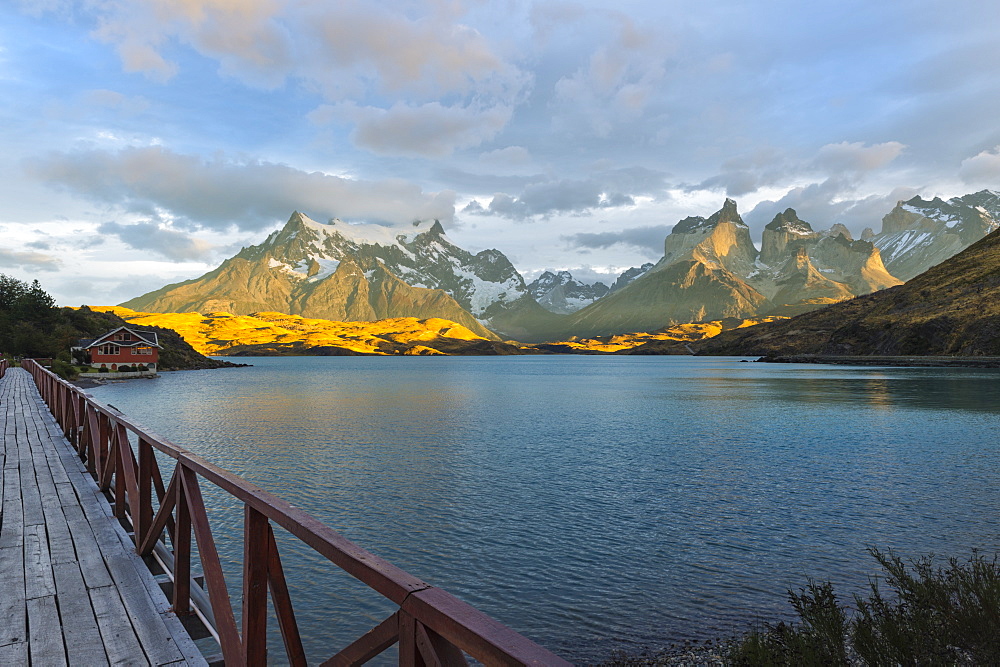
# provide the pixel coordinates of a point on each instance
(145, 140)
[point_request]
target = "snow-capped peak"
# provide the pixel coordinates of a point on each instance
(369, 233)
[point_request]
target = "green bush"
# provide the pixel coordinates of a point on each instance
(933, 615)
(818, 640)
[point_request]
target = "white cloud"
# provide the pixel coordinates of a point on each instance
(982, 169)
(617, 83)
(28, 260)
(332, 46)
(856, 156)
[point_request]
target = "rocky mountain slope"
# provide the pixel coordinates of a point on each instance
(950, 309)
(345, 272)
(561, 293)
(711, 270)
(919, 234)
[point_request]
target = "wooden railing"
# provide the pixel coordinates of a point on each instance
(431, 626)
(4, 365)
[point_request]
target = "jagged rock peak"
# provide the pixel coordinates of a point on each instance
(728, 213)
(840, 230)
(630, 275)
(561, 293)
(789, 221)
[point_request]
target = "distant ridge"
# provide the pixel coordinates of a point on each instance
(951, 309)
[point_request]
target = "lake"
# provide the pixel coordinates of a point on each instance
(593, 503)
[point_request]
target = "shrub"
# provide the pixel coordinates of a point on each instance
(933, 615)
(818, 640)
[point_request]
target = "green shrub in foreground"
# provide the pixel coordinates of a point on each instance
(933, 615)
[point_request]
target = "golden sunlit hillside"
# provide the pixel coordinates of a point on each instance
(272, 333)
(670, 340)
(269, 333)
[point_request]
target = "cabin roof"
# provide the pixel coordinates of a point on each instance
(145, 338)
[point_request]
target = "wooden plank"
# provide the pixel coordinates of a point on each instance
(157, 642)
(14, 654)
(79, 625)
(31, 501)
(126, 571)
(14, 627)
(88, 552)
(38, 580)
(12, 530)
(192, 655)
(61, 548)
(117, 633)
(45, 636)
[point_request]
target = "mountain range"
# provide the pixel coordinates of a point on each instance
(710, 270)
(952, 308)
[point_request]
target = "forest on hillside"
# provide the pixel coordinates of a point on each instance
(31, 325)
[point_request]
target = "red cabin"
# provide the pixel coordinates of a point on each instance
(133, 349)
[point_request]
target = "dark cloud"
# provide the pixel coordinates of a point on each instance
(607, 189)
(649, 239)
(170, 243)
(824, 204)
(218, 193)
(768, 167)
(430, 130)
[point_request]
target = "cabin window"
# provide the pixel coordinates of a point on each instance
(108, 348)
(142, 349)
(122, 336)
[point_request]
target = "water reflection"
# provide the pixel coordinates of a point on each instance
(934, 389)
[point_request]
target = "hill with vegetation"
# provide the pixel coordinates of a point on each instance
(279, 334)
(951, 309)
(31, 325)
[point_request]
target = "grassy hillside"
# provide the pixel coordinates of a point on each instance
(951, 309)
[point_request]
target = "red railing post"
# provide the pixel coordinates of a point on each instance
(182, 549)
(256, 556)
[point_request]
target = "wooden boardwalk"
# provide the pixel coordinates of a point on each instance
(72, 589)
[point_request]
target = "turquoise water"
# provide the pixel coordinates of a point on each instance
(594, 503)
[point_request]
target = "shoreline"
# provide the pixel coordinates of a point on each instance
(911, 361)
